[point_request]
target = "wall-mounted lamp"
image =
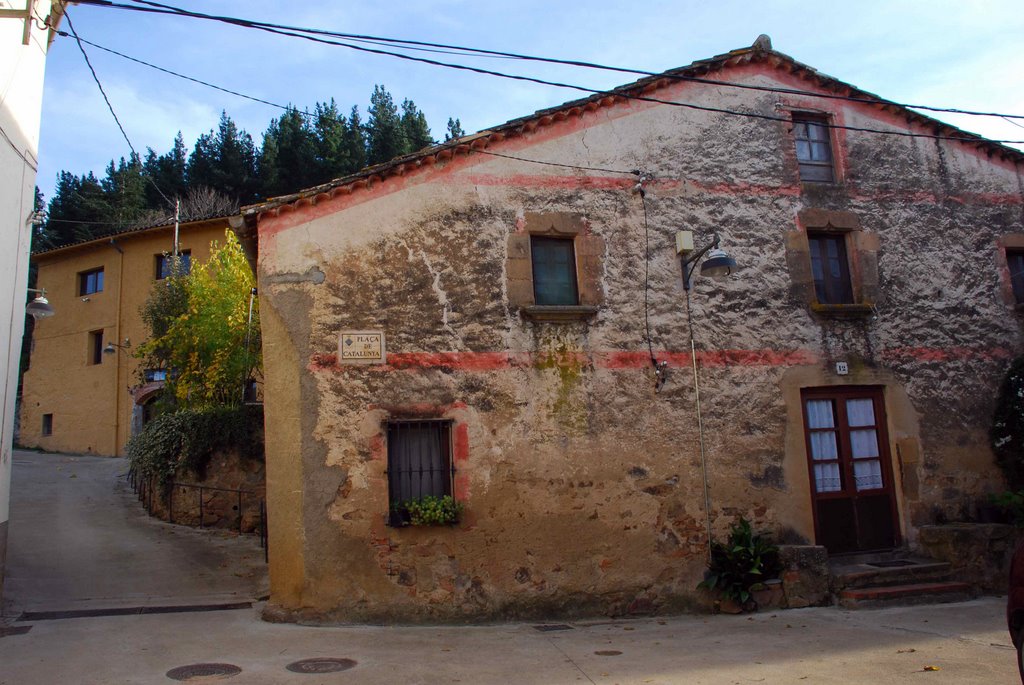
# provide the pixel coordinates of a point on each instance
(717, 265)
(112, 347)
(39, 307)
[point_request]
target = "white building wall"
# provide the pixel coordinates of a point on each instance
(21, 95)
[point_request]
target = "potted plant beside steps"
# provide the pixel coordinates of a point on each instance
(743, 571)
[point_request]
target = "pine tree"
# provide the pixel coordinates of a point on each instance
(332, 155)
(78, 210)
(454, 130)
(124, 187)
(414, 125)
(225, 161)
(288, 161)
(167, 172)
(355, 142)
(385, 132)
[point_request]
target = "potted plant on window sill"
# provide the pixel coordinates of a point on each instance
(428, 510)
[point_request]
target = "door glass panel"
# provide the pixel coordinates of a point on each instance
(860, 412)
(823, 446)
(826, 478)
(864, 443)
(867, 474)
(820, 414)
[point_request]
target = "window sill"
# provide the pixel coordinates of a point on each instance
(843, 311)
(559, 312)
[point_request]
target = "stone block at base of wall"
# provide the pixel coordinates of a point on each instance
(980, 553)
(804, 575)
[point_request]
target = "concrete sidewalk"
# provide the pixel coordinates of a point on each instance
(965, 642)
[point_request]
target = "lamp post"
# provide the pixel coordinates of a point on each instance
(717, 264)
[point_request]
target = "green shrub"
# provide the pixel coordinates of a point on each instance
(1012, 504)
(187, 439)
(431, 510)
(744, 560)
(1007, 433)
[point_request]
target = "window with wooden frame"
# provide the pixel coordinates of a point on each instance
(830, 267)
(47, 427)
(165, 264)
(90, 281)
(95, 351)
(419, 461)
(813, 148)
(1015, 263)
(554, 271)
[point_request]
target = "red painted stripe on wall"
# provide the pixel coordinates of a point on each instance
(637, 359)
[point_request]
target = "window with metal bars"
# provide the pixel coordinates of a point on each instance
(419, 459)
(830, 268)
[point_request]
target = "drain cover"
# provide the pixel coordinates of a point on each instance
(549, 627)
(320, 665)
(607, 652)
(198, 671)
(891, 564)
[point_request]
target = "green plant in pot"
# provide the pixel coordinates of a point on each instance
(744, 560)
(429, 510)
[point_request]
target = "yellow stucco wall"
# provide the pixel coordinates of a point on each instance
(91, 403)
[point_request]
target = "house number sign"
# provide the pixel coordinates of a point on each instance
(361, 347)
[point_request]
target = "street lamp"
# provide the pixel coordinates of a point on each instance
(39, 307)
(112, 347)
(717, 264)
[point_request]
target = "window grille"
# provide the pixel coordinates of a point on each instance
(419, 459)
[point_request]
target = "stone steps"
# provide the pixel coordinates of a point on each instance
(893, 579)
(903, 595)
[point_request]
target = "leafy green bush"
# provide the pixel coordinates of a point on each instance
(431, 510)
(187, 439)
(744, 560)
(1007, 433)
(1012, 504)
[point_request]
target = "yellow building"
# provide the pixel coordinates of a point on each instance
(76, 397)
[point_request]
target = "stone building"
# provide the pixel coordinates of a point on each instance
(76, 397)
(502, 318)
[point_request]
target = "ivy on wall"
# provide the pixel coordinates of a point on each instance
(1007, 433)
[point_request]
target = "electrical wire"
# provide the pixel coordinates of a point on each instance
(633, 172)
(621, 92)
(96, 78)
(444, 48)
(187, 78)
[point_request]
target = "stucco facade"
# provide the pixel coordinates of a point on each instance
(581, 474)
(90, 405)
(23, 46)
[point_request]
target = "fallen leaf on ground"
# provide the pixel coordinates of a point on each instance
(930, 668)
(905, 651)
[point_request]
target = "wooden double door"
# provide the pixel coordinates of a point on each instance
(850, 469)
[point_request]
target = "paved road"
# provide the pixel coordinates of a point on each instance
(79, 539)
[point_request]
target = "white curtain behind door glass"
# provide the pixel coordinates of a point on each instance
(867, 474)
(819, 414)
(826, 477)
(860, 412)
(864, 443)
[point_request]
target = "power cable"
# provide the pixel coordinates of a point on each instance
(187, 78)
(621, 92)
(633, 172)
(96, 78)
(469, 51)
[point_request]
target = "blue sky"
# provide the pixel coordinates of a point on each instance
(960, 54)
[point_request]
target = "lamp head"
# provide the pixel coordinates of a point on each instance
(39, 308)
(718, 264)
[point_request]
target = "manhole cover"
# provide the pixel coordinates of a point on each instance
(321, 665)
(199, 671)
(607, 652)
(891, 564)
(549, 627)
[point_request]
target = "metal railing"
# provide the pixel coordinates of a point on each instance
(146, 489)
